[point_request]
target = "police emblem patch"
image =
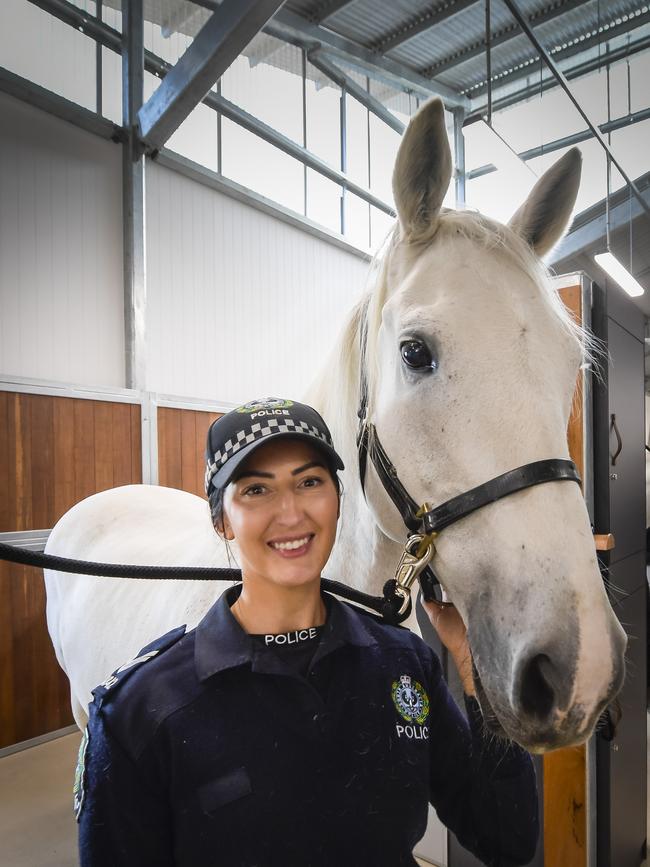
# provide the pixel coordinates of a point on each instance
(410, 699)
(269, 403)
(78, 788)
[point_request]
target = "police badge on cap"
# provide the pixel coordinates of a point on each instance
(234, 436)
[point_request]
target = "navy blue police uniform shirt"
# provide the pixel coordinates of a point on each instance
(212, 750)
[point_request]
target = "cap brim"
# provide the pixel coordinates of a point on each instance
(224, 476)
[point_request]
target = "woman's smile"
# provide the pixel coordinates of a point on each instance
(296, 546)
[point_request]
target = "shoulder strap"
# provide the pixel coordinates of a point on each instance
(154, 648)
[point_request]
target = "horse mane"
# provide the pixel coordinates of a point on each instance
(335, 403)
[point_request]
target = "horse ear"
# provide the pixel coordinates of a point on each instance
(544, 216)
(422, 171)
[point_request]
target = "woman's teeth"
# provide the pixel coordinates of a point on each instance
(290, 546)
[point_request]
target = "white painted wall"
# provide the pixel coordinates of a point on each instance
(241, 305)
(61, 295)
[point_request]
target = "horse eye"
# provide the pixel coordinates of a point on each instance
(416, 355)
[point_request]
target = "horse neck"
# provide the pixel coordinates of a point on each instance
(363, 556)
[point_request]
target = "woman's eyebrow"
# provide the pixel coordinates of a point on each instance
(307, 467)
(295, 472)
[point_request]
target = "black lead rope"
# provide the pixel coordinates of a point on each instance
(387, 606)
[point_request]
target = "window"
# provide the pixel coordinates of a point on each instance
(39, 47)
(112, 86)
(384, 142)
(323, 201)
(357, 155)
(357, 221)
(261, 167)
(323, 117)
(268, 84)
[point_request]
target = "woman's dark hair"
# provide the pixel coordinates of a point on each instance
(216, 495)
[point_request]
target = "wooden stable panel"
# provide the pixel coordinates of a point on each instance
(34, 691)
(181, 448)
(565, 771)
(54, 451)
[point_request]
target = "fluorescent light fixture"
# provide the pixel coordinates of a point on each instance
(609, 263)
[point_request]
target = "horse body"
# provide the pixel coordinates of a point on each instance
(471, 294)
(97, 624)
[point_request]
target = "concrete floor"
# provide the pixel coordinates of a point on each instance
(37, 826)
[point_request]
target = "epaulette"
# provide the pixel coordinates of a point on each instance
(155, 648)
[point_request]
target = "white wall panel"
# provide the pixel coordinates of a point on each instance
(241, 305)
(61, 296)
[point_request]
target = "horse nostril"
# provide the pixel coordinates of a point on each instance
(538, 687)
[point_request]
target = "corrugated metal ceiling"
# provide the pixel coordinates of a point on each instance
(452, 49)
(442, 40)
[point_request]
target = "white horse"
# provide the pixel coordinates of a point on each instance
(472, 294)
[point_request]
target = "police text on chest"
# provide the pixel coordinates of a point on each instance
(292, 637)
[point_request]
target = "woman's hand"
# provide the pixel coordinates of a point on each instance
(452, 632)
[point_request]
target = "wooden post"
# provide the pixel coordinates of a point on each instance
(565, 771)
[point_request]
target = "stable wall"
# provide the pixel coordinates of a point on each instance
(234, 295)
(241, 305)
(61, 295)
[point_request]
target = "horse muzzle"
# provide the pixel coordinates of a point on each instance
(537, 705)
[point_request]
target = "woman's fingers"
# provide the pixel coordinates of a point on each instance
(448, 623)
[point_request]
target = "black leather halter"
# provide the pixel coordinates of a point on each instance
(432, 520)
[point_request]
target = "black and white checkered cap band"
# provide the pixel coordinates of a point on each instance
(258, 431)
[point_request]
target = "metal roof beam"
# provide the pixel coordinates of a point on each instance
(112, 39)
(219, 42)
(567, 141)
(284, 143)
(81, 20)
(25, 90)
(327, 9)
(500, 37)
(242, 118)
(591, 232)
(558, 53)
(298, 31)
(564, 84)
(338, 76)
(419, 23)
(548, 83)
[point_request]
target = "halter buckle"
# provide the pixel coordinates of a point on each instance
(417, 554)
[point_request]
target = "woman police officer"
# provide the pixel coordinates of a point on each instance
(290, 728)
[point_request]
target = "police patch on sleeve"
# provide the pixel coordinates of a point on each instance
(410, 699)
(79, 775)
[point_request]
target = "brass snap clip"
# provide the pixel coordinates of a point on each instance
(418, 553)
